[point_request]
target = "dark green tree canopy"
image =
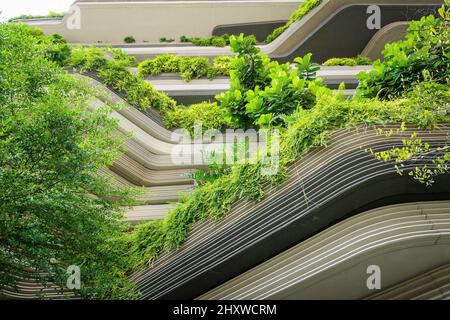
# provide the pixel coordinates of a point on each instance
(55, 209)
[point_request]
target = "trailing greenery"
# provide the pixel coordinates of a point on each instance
(304, 8)
(129, 39)
(423, 54)
(208, 114)
(262, 91)
(358, 61)
(305, 129)
(116, 74)
(55, 209)
(188, 67)
(429, 100)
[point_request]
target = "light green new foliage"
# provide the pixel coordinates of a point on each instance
(208, 114)
(193, 68)
(351, 62)
(188, 67)
(429, 102)
(115, 73)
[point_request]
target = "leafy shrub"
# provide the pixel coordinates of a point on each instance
(168, 40)
(115, 74)
(306, 69)
(218, 42)
(124, 58)
(189, 67)
(87, 59)
(220, 67)
(185, 39)
(193, 68)
(286, 92)
(424, 53)
(58, 50)
(129, 39)
(340, 62)
(358, 61)
(363, 61)
(302, 10)
(160, 64)
(249, 70)
(208, 114)
(262, 91)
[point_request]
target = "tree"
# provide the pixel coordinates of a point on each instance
(56, 210)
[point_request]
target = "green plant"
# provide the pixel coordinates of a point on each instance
(207, 114)
(115, 74)
(221, 66)
(306, 69)
(51, 147)
(218, 42)
(363, 61)
(304, 8)
(58, 49)
(124, 58)
(358, 61)
(188, 67)
(193, 68)
(185, 39)
(286, 93)
(164, 39)
(424, 53)
(340, 62)
(160, 64)
(250, 69)
(129, 39)
(89, 59)
(263, 91)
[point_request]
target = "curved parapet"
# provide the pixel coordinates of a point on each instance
(390, 33)
(387, 240)
(324, 187)
(335, 28)
(147, 21)
(431, 285)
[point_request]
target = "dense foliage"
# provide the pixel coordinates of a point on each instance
(115, 73)
(304, 8)
(189, 67)
(129, 39)
(425, 53)
(208, 114)
(263, 91)
(350, 62)
(55, 209)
